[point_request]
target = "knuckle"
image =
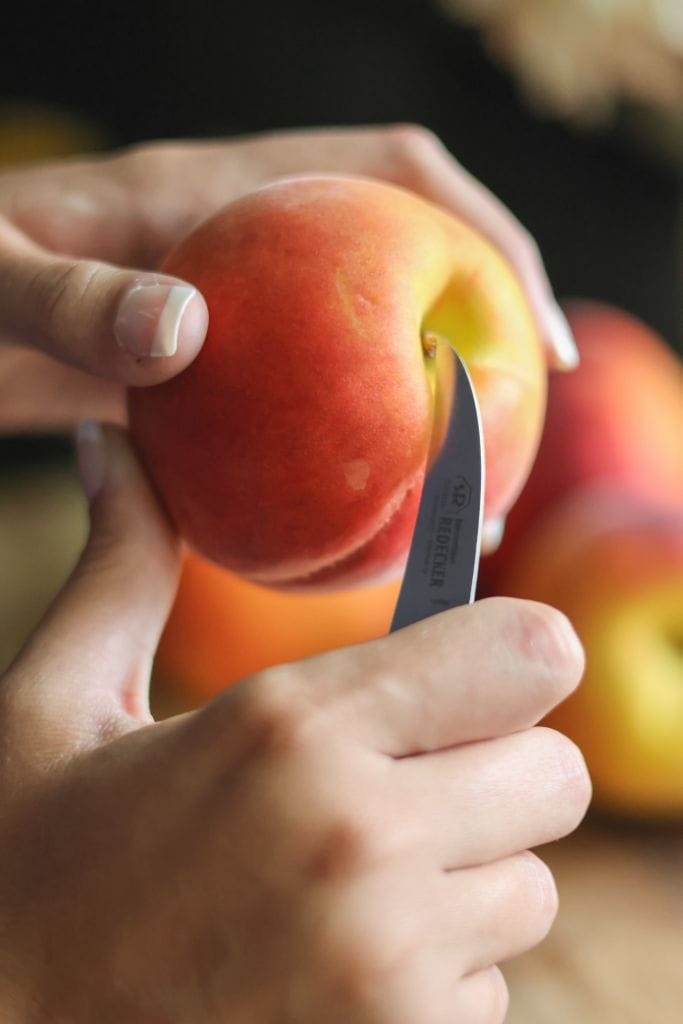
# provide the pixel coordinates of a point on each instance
(413, 142)
(149, 166)
(360, 964)
(388, 984)
(364, 963)
(544, 637)
(273, 713)
(142, 160)
(62, 289)
(355, 974)
(349, 845)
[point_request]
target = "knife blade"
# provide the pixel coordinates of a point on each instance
(443, 561)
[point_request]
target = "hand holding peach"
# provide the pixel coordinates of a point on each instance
(133, 205)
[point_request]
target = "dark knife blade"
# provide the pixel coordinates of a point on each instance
(443, 561)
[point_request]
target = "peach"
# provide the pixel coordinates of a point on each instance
(292, 450)
(617, 420)
(615, 566)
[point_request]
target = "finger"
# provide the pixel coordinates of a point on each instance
(424, 986)
(440, 178)
(485, 801)
(133, 205)
(495, 912)
(130, 208)
(471, 673)
(481, 998)
(38, 393)
(132, 327)
(89, 661)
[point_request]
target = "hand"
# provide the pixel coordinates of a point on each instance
(340, 839)
(67, 229)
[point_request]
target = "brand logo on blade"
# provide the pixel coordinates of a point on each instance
(461, 494)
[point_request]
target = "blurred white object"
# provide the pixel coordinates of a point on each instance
(578, 58)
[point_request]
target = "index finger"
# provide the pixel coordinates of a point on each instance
(135, 206)
(471, 673)
(39, 394)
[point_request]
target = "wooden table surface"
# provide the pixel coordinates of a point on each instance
(615, 955)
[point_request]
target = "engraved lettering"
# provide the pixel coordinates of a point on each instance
(442, 541)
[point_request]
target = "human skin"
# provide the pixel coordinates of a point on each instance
(220, 865)
(78, 236)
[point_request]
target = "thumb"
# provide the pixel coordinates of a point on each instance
(85, 671)
(131, 326)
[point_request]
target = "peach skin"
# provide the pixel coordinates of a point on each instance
(292, 449)
(614, 565)
(617, 420)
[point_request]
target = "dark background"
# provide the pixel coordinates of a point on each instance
(602, 212)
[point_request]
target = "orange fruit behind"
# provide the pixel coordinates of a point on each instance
(222, 628)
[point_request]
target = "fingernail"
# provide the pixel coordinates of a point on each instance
(150, 318)
(91, 457)
(562, 340)
(492, 534)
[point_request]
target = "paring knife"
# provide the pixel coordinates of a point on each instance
(443, 561)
